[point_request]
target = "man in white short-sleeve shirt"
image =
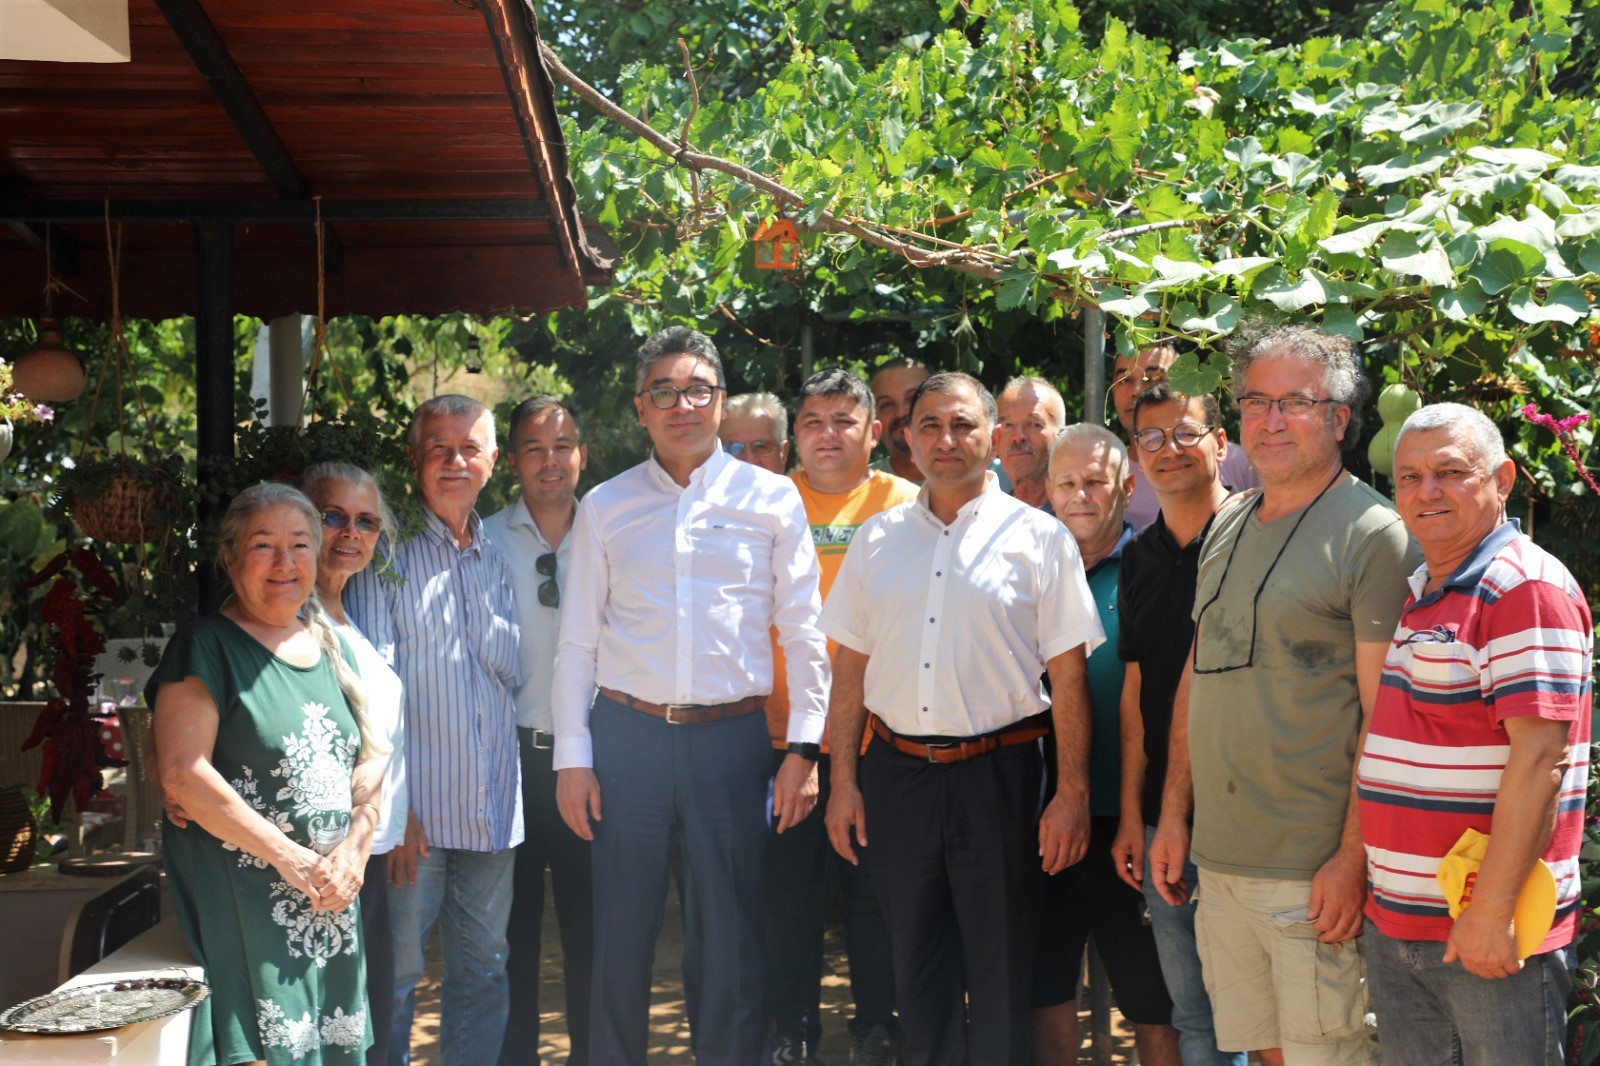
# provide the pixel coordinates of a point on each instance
(947, 612)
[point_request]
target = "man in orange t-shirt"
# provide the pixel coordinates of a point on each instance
(835, 429)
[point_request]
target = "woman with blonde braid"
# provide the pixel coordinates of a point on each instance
(272, 776)
(355, 523)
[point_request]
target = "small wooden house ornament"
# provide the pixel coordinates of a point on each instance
(777, 245)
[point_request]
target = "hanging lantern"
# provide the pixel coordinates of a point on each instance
(777, 246)
(49, 372)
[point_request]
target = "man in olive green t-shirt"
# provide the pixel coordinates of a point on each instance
(1299, 591)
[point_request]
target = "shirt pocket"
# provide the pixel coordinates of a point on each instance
(1444, 673)
(739, 551)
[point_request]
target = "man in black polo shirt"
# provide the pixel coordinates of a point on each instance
(1180, 445)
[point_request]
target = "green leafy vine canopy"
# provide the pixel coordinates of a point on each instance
(1421, 181)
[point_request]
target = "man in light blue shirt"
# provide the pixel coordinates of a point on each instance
(451, 620)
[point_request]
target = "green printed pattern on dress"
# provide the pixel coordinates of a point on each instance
(288, 981)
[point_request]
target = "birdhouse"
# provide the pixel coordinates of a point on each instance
(777, 246)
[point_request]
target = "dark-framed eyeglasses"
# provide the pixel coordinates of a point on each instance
(549, 591)
(761, 449)
(1255, 601)
(1184, 435)
(339, 520)
(1288, 406)
(665, 397)
(1437, 635)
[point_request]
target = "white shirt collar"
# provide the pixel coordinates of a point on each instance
(991, 484)
(697, 477)
(521, 517)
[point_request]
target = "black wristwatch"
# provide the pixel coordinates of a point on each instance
(806, 751)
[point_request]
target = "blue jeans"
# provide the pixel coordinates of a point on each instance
(1180, 965)
(1433, 1012)
(469, 892)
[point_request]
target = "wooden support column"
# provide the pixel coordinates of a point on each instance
(213, 366)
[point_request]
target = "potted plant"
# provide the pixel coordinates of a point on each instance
(81, 592)
(282, 453)
(16, 408)
(120, 499)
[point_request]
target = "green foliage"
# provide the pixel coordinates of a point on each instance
(1422, 177)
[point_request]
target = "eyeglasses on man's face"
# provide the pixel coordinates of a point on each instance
(339, 520)
(1184, 435)
(761, 449)
(665, 397)
(1288, 406)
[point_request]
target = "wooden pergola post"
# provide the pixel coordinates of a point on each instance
(213, 367)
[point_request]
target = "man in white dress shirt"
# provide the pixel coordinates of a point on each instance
(680, 566)
(947, 611)
(547, 454)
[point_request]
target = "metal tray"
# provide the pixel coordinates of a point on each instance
(109, 1005)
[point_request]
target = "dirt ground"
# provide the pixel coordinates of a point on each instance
(669, 1032)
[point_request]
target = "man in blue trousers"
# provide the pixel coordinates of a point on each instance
(680, 566)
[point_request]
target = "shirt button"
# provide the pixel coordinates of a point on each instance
(927, 666)
(930, 621)
(938, 573)
(924, 710)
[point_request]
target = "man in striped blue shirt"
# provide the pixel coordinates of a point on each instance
(451, 621)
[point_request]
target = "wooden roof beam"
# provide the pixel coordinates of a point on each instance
(63, 250)
(32, 211)
(199, 37)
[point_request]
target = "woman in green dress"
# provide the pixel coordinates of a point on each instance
(272, 778)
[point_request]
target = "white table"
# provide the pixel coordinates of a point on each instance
(163, 1042)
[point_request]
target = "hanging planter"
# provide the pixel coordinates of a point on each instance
(122, 500)
(119, 499)
(49, 371)
(16, 409)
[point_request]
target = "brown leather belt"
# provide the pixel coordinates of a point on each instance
(1023, 732)
(687, 713)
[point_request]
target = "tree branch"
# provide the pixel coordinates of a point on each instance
(959, 259)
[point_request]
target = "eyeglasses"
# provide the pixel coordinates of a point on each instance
(1184, 435)
(549, 591)
(761, 449)
(1288, 406)
(1255, 601)
(1437, 635)
(665, 397)
(339, 520)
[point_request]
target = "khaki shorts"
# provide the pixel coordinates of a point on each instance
(1272, 984)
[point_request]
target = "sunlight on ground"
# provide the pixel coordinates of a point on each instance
(669, 1031)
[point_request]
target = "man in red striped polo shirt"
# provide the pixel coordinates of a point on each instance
(1482, 722)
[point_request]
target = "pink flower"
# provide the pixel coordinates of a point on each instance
(43, 413)
(1563, 428)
